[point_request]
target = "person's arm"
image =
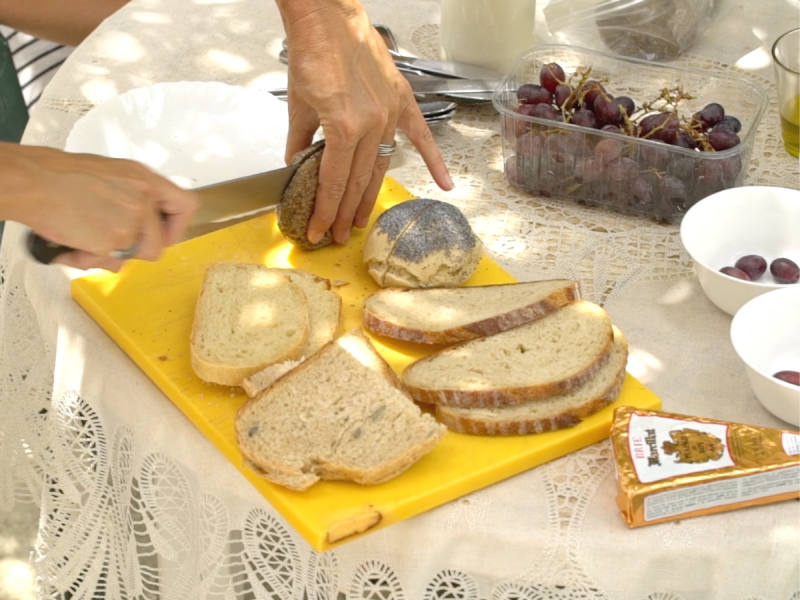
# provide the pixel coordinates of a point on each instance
(58, 21)
(342, 77)
(92, 203)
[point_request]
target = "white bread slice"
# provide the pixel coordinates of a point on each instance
(552, 355)
(325, 314)
(342, 414)
(458, 314)
(547, 414)
(247, 317)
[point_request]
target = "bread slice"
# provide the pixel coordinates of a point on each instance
(552, 355)
(547, 414)
(342, 414)
(450, 315)
(247, 317)
(325, 314)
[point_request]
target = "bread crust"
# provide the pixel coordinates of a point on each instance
(299, 198)
(568, 418)
(509, 396)
(489, 326)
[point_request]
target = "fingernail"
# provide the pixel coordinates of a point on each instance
(361, 222)
(343, 237)
(450, 183)
(314, 236)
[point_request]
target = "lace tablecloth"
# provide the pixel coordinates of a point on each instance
(138, 503)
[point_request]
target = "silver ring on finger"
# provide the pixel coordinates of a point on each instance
(126, 253)
(386, 149)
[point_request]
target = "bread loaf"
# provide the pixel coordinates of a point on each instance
(421, 243)
(299, 198)
(247, 317)
(552, 355)
(457, 314)
(547, 414)
(324, 310)
(341, 414)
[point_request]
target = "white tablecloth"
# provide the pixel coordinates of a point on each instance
(137, 502)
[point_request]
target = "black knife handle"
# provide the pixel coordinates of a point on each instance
(46, 251)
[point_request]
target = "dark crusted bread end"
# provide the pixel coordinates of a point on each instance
(297, 203)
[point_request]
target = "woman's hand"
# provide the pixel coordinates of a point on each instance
(93, 204)
(341, 77)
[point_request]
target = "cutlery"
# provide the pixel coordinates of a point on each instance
(221, 205)
(444, 68)
(430, 109)
(422, 84)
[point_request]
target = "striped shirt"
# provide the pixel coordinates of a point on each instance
(36, 61)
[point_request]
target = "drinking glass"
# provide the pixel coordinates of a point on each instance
(487, 33)
(786, 59)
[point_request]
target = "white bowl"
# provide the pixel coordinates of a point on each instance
(725, 226)
(766, 335)
(193, 132)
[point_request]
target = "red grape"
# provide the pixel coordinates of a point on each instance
(607, 109)
(785, 270)
(590, 90)
(722, 139)
(752, 264)
(627, 103)
(684, 140)
(734, 272)
(546, 111)
(584, 118)
(729, 123)
(608, 150)
(564, 97)
(661, 126)
(710, 115)
(792, 377)
(611, 128)
(551, 75)
(530, 93)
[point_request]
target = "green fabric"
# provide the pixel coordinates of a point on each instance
(13, 113)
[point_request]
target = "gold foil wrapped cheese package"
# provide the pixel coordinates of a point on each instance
(673, 466)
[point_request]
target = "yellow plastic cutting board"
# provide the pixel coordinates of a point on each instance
(148, 309)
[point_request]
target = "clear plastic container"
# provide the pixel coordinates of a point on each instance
(656, 30)
(646, 177)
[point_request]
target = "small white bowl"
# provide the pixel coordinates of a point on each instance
(725, 226)
(766, 335)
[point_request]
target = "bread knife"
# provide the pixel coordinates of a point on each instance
(221, 205)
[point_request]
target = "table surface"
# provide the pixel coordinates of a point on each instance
(142, 489)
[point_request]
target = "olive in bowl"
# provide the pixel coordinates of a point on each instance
(765, 333)
(743, 242)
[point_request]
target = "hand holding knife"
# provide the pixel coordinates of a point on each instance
(221, 205)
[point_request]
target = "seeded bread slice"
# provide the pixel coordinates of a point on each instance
(547, 414)
(451, 315)
(325, 313)
(341, 415)
(247, 317)
(552, 355)
(299, 198)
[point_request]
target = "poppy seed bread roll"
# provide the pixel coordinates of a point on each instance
(422, 243)
(299, 198)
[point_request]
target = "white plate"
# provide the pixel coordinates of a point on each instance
(194, 133)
